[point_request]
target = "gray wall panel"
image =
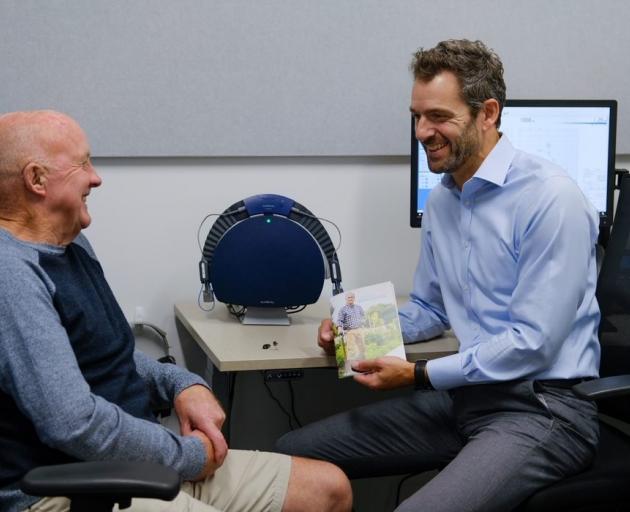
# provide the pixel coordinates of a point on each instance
(287, 77)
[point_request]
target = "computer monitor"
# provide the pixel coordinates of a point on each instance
(577, 135)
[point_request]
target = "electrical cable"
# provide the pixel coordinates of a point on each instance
(238, 313)
(203, 221)
(297, 210)
(292, 395)
(201, 291)
(336, 227)
(275, 399)
(295, 309)
(201, 225)
(162, 335)
(162, 409)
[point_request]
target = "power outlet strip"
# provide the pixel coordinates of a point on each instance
(277, 375)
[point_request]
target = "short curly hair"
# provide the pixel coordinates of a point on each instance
(478, 69)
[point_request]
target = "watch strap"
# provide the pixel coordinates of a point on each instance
(421, 378)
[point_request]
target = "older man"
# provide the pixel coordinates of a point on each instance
(351, 315)
(507, 262)
(72, 387)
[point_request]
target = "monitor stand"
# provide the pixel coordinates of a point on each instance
(265, 316)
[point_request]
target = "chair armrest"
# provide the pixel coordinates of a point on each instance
(120, 479)
(603, 388)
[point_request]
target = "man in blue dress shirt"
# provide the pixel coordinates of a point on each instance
(508, 263)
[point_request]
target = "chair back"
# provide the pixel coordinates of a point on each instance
(613, 295)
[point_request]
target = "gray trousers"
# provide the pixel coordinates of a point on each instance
(495, 444)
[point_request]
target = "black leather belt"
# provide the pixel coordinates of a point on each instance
(563, 383)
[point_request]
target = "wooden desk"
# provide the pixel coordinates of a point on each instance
(233, 347)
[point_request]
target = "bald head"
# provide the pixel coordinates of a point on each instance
(45, 176)
(28, 137)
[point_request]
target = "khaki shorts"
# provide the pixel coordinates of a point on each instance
(247, 481)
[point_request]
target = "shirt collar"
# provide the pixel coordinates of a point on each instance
(494, 168)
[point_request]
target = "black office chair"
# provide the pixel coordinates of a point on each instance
(98, 486)
(605, 486)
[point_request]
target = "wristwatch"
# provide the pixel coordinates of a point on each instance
(421, 377)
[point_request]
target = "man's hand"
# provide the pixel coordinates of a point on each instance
(211, 466)
(325, 337)
(387, 372)
(198, 410)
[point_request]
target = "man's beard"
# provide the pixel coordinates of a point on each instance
(463, 148)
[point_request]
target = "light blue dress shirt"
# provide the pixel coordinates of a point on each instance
(509, 264)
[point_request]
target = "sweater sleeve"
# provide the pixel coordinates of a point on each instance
(164, 380)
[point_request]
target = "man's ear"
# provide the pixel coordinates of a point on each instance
(35, 178)
(490, 113)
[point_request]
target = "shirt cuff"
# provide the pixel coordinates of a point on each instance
(446, 372)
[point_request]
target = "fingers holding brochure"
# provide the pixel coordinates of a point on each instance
(386, 372)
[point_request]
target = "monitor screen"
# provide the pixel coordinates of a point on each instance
(577, 135)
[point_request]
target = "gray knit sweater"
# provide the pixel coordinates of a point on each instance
(72, 387)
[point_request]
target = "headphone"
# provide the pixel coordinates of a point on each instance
(251, 207)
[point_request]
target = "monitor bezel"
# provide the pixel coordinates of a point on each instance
(605, 218)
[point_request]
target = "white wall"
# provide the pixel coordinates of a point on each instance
(146, 215)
